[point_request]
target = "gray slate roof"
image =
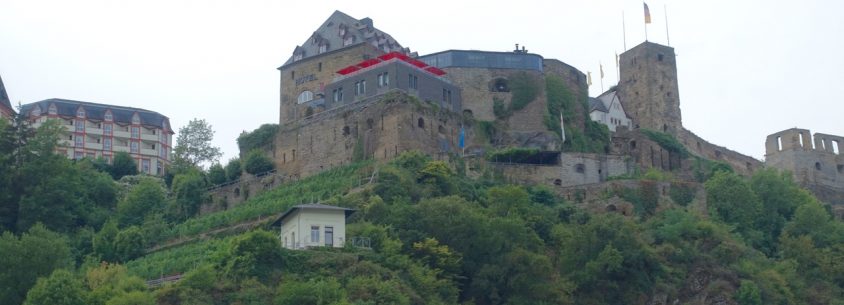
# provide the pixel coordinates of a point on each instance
(96, 111)
(596, 104)
(4, 98)
(311, 206)
(359, 30)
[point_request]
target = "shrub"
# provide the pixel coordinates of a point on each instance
(524, 88)
(216, 174)
(666, 141)
(257, 162)
(233, 169)
(258, 138)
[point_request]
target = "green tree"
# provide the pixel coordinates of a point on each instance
(233, 169)
(216, 174)
(194, 143)
(129, 244)
(123, 165)
(145, 197)
(780, 197)
(313, 292)
(730, 199)
(103, 242)
(35, 254)
(748, 294)
(255, 254)
(132, 298)
(61, 288)
(188, 194)
(257, 162)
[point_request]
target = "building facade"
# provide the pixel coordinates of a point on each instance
(815, 161)
(100, 131)
(6, 110)
(607, 109)
(313, 225)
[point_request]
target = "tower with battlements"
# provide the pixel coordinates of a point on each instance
(648, 87)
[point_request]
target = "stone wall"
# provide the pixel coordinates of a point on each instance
(379, 128)
(573, 169)
(648, 88)
(575, 82)
(226, 196)
(312, 74)
(741, 164)
(819, 167)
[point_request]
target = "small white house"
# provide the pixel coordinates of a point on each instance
(313, 225)
(606, 109)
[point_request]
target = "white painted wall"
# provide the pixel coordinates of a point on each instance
(616, 115)
(296, 228)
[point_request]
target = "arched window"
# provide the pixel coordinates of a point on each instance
(306, 96)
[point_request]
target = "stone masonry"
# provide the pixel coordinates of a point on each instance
(816, 162)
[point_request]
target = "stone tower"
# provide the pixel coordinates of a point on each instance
(648, 87)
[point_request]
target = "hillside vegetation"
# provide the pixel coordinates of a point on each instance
(437, 237)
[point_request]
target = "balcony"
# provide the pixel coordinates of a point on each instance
(120, 148)
(149, 152)
(149, 137)
(121, 134)
(94, 145)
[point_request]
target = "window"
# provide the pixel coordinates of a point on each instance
(163, 153)
(78, 155)
(360, 88)
(108, 116)
(659, 57)
(52, 109)
(80, 125)
(817, 165)
(412, 81)
(136, 132)
(319, 67)
(136, 119)
(158, 169)
(383, 79)
(145, 166)
(329, 236)
(80, 113)
(342, 30)
(36, 111)
(297, 56)
(80, 141)
(107, 129)
(323, 48)
(447, 96)
(349, 40)
(107, 144)
(580, 168)
(134, 147)
(305, 96)
(314, 234)
(338, 94)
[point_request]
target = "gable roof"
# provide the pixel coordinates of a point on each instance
(94, 111)
(330, 35)
(4, 98)
(597, 105)
(311, 206)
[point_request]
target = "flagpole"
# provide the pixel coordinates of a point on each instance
(665, 9)
(646, 24)
(624, 31)
(602, 76)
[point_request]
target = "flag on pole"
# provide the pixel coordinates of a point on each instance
(462, 140)
(562, 128)
(588, 78)
(647, 14)
(616, 60)
(601, 66)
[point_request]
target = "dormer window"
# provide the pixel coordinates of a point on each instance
(136, 119)
(297, 56)
(342, 30)
(323, 48)
(80, 113)
(107, 116)
(349, 40)
(36, 111)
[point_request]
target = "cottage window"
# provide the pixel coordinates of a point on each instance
(314, 234)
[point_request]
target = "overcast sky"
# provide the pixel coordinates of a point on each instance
(746, 68)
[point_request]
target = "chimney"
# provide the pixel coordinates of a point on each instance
(367, 21)
(517, 48)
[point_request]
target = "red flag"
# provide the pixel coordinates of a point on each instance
(647, 13)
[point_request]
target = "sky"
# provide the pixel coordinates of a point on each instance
(746, 68)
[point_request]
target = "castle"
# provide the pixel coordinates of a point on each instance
(351, 92)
